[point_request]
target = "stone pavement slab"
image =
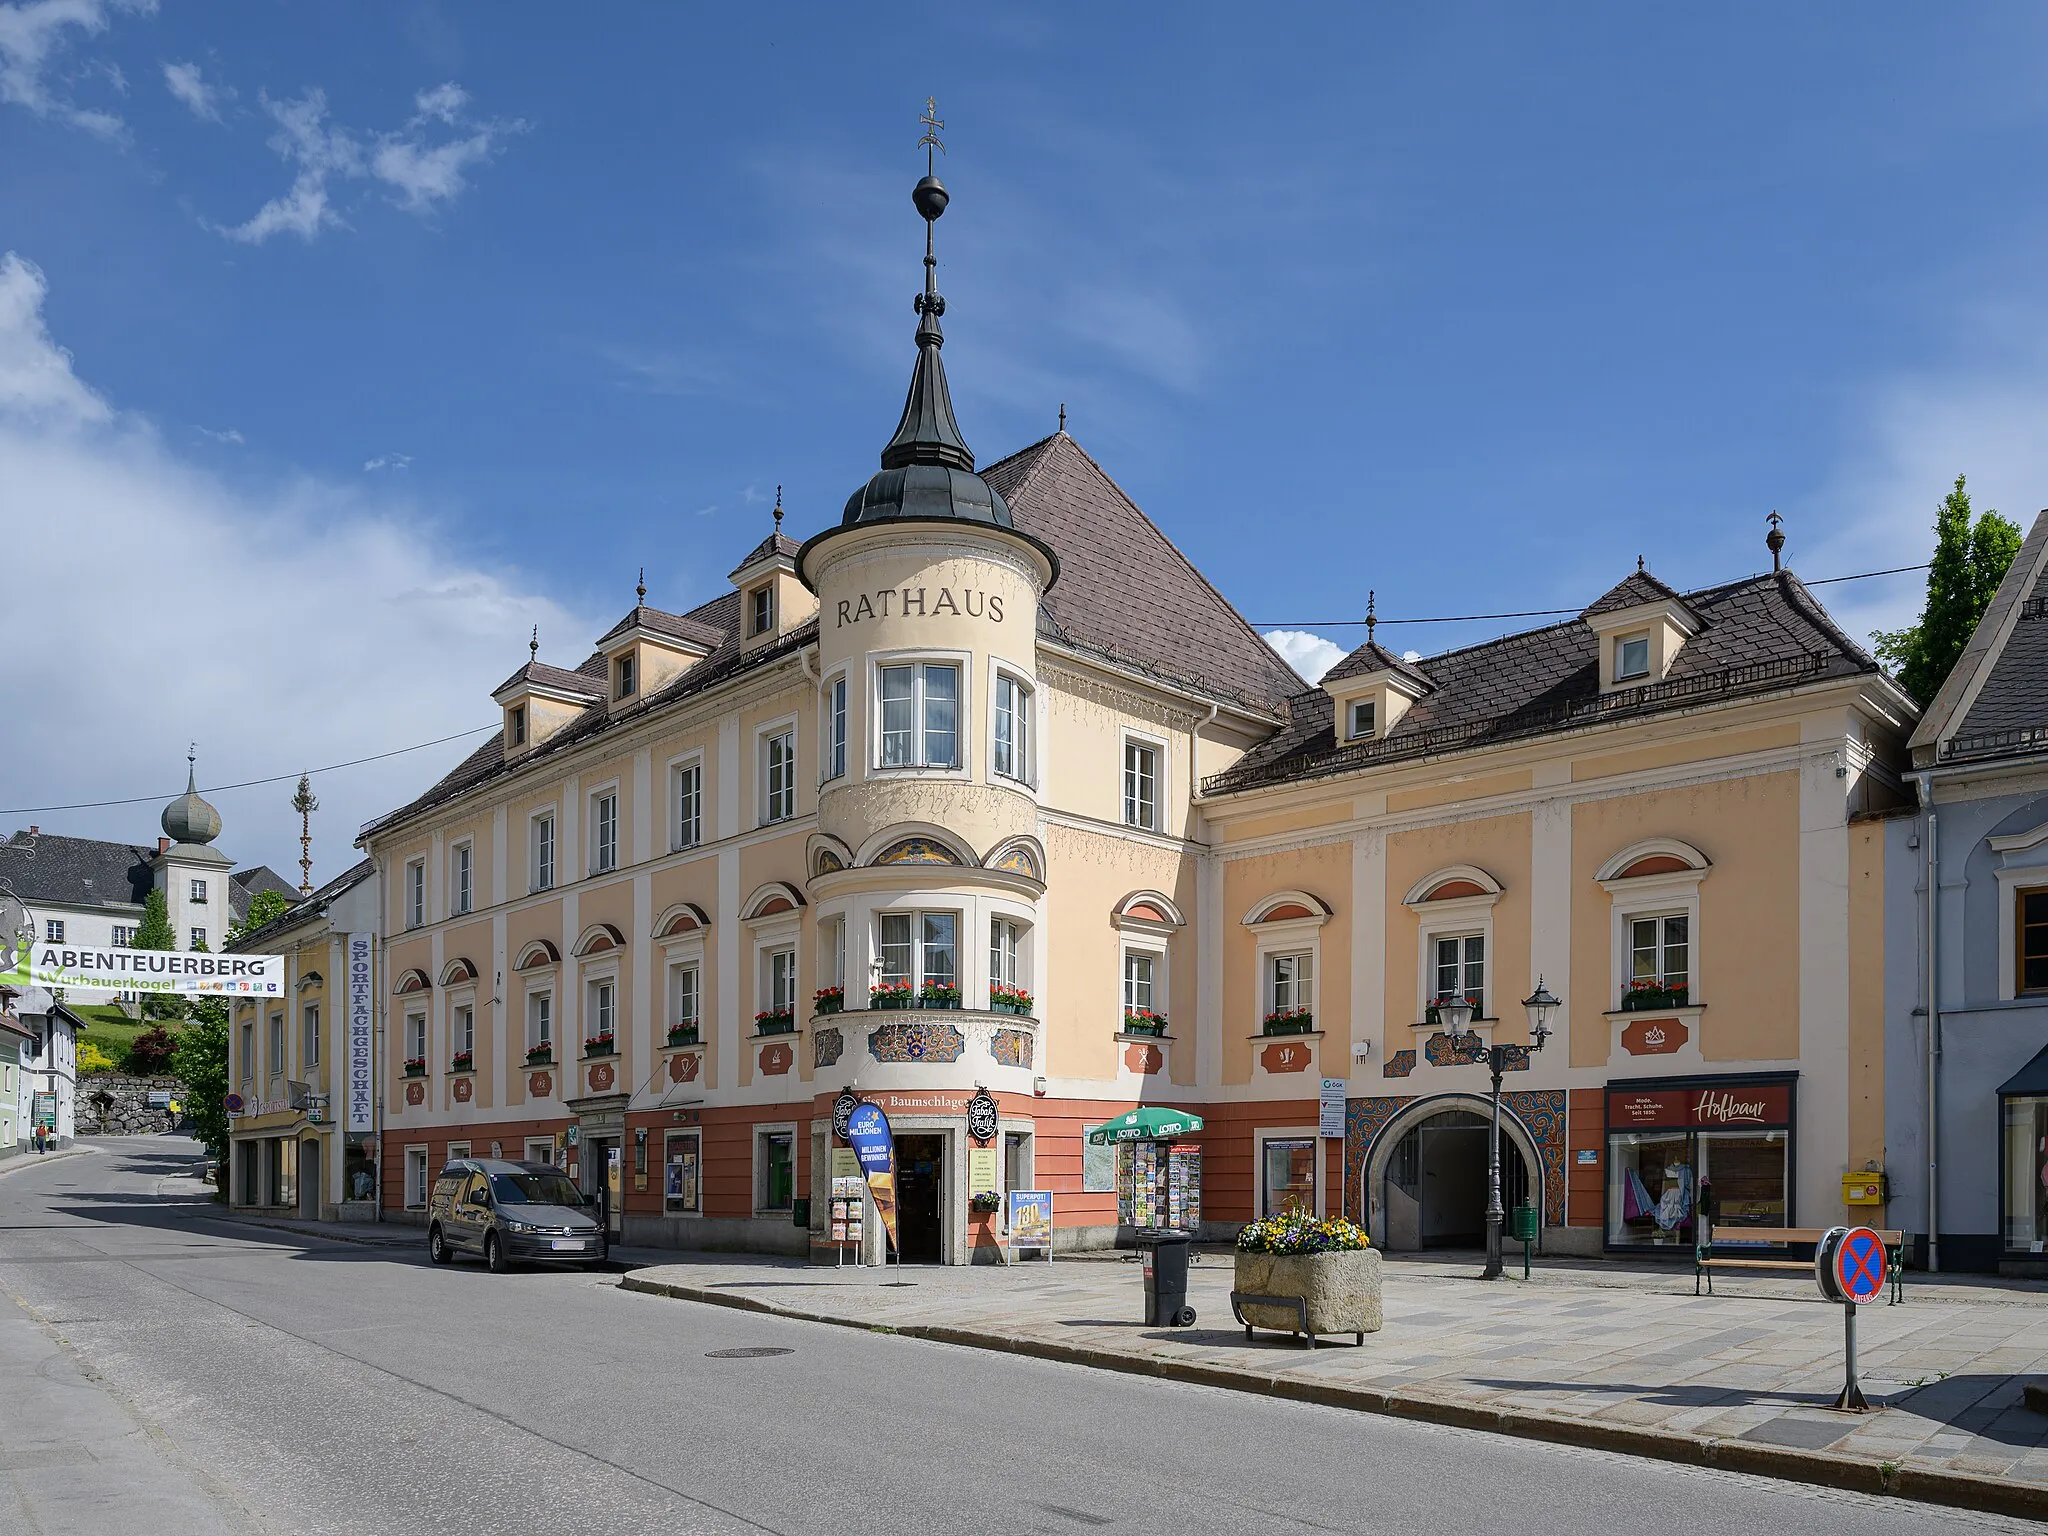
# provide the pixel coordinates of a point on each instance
(1629, 1359)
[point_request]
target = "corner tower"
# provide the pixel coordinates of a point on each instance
(929, 827)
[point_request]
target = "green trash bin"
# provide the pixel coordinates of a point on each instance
(1522, 1224)
(800, 1212)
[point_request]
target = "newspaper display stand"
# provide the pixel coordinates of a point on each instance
(849, 1205)
(1159, 1184)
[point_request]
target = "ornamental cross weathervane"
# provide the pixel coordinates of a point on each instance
(931, 140)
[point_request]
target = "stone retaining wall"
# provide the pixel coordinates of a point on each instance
(114, 1104)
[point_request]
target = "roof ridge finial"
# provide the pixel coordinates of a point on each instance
(1372, 618)
(191, 767)
(1639, 565)
(533, 645)
(778, 511)
(640, 592)
(1775, 539)
(1063, 415)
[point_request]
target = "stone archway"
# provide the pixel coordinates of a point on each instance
(1369, 1205)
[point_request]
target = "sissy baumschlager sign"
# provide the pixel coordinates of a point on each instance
(145, 970)
(867, 1129)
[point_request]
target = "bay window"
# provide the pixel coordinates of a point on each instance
(1013, 728)
(835, 729)
(919, 951)
(1003, 949)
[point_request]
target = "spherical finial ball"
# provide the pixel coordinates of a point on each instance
(931, 198)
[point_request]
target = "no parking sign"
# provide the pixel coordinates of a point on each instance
(1851, 1265)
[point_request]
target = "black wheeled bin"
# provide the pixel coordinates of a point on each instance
(1164, 1254)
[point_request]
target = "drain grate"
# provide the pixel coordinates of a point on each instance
(749, 1352)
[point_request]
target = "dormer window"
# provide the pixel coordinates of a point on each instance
(1631, 658)
(762, 603)
(625, 677)
(1364, 716)
(515, 724)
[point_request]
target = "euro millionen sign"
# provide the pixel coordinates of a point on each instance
(188, 974)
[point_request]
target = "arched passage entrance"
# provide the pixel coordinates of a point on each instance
(1425, 1173)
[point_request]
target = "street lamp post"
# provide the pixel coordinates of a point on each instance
(1455, 1013)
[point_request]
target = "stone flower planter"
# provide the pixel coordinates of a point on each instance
(1340, 1292)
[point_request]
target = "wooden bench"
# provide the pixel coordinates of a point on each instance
(1705, 1258)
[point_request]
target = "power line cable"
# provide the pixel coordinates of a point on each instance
(1526, 613)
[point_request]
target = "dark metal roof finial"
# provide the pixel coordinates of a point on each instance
(778, 509)
(1639, 565)
(640, 591)
(1775, 539)
(1372, 618)
(533, 645)
(1063, 415)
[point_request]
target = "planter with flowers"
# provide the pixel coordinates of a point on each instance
(599, 1045)
(1004, 998)
(1304, 1274)
(1290, 1021)
(462, 1061)
(987, 1203)
(683, 1034)
(540, 1056)
(775, 1021)
(939, 994)
(1143, 1021)
(828, 1000)
(1643, 996)
(892, 994)
(415, 1066)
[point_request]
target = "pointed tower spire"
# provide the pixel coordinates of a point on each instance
(927, 432)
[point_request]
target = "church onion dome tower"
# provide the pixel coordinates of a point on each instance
(927, 473)
(189, 820)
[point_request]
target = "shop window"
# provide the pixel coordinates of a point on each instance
(920, 715)
(1672, 1150)
(1460, 970)
(540, 855)
(2031, 931)
(682, 1164)
(1013, 728)
(774, 1170)
(1141, 784)
(604, 832)
(1287, 1175)
(540, 1020)
(778, 776)
(686, 794)
(919, 948)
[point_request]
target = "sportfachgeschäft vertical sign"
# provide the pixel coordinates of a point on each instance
(867, 1130)
(361, 1086)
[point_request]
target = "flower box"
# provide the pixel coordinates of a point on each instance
(540, 1056)
(599, 1045)
(939, 997)
(415, 1066)
(892, 994)
(987, 1203)
(1003, 998)
(1337, 1292)
(683, 1034)
(462, 1061)
(1143, 1021)
(1642, 996)
(829, 1000)
(779, 1021)
(1299, 1021)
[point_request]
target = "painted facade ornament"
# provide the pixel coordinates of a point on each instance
(1144, 1059)
(1286, 1056)
(415, 1093)
(777, 1059)
(682, 1067)
(462, 1088)
(1018, 862)
(1013, 1047)
(828, 862)
(924, 1041)
(539, 1085)
(827, 1045)
(1399, 1064)
(601, 1077)
(917, 850)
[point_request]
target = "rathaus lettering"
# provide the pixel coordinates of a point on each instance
(918, 602)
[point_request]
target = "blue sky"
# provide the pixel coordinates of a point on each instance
(341, 344)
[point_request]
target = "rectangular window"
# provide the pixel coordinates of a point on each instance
(416, 893)
(1631, 657)
(687, 784)
(682, 998)
(1364, 716)
(464, 1031)
(835, 731)
(1137, 981)
(602, 997)
(1660, 951)
(682, 1166)
(1461, 970)
(249, 1050)
(416, 1177)
(540, 1019)
(460, 885)
(542, 865)
(604, 833)
(277, 1062)
(921, 948)
(1013, 728)
(764, 609)
(541, 1149)
(122, 934)
(199, 890)
(832, 952)
(941, 949)
(780, 765)
(53, 931)
(774, 1170)
(896, 948)
(921, 716)
(310, 1022)
(780, 968)
(1290, 984)
(1003, 943)
(516, 718)
(416, 1037)
(1141, 785)
(1289, 1177)
(2031, 933)
(624, 677)
(199, 938)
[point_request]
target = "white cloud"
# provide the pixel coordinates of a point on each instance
(306, 568)
(185, 82)
(227, 435)
(34, 35)
(423, 173)
(1310, 655)
(389, 461)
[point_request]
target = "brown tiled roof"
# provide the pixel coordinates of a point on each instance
(1761, 634)
(777, 543)
(1125, 592)
(547, 676)
(1638, 589)
(701, 635)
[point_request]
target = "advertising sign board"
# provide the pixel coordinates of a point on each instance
(867, 1128)
(359, 1053)
(1031, 1219)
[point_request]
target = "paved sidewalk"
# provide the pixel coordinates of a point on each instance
(1627, 1359)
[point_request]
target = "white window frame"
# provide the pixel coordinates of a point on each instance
(1287, 936)
(761, 610)
(414, 893)
(545, 997)
(1161, 777)
(248, 1043)
(1454, 917)
(835, 723)
(540, 1149)
(1668, 895)
(309, 1033)
(462, 878)
(1371, 707)
(961, 663)
(515, 719)
(1025, 725)
(53, 930)
(764, 788)
(1306, 1133)
(456, 1150)
(121, 935)
(1306, 973)
(198, 891)
(685, 831)
(1432, 986)
(198, 938)
(1660, 946)
(2011, 882)
(674, 1012)
(760, 1159)
(625, 676)
(419, 1178)
(416, 1032)
(832, 951)
(543, 849)
(1154, 952)
(595, 1005)
(596, 800)
(917, 915)
(1020, 952)
(1622, 644)
(458, 1011)
(767, 957)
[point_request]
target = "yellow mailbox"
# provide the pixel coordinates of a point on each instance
(1863, 1188)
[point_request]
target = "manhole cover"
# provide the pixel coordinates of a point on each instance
(751, 1352)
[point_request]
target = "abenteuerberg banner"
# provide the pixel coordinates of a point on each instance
(186, 973)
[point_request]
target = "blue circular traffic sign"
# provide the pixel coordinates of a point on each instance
(233, 1104)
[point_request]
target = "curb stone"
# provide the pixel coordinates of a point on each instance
(1786, 1463)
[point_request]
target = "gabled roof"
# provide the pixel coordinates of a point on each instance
(305, 908)
(76, 871)
(702, 636)
(541, 674)
(777, 543)
(1759, 635)
(1374, 657)
(1125, 592)
(1638, 589)
(244, 885)
(1994, 702)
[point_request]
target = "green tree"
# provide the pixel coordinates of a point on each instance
(155, 933)
(202, 1061)
(263, 906)
(1970, 559)
(92, 1059)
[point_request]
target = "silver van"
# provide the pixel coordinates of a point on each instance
(511, 1213)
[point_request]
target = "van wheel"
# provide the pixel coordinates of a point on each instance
(494, 1256)
(437, 1246)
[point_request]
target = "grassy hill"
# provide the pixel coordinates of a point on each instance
(112, 1030)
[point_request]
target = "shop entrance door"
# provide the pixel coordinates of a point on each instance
(920, 1170)
(600, 1179)
(309, 1180)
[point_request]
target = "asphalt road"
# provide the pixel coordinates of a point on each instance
(248, 1380)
